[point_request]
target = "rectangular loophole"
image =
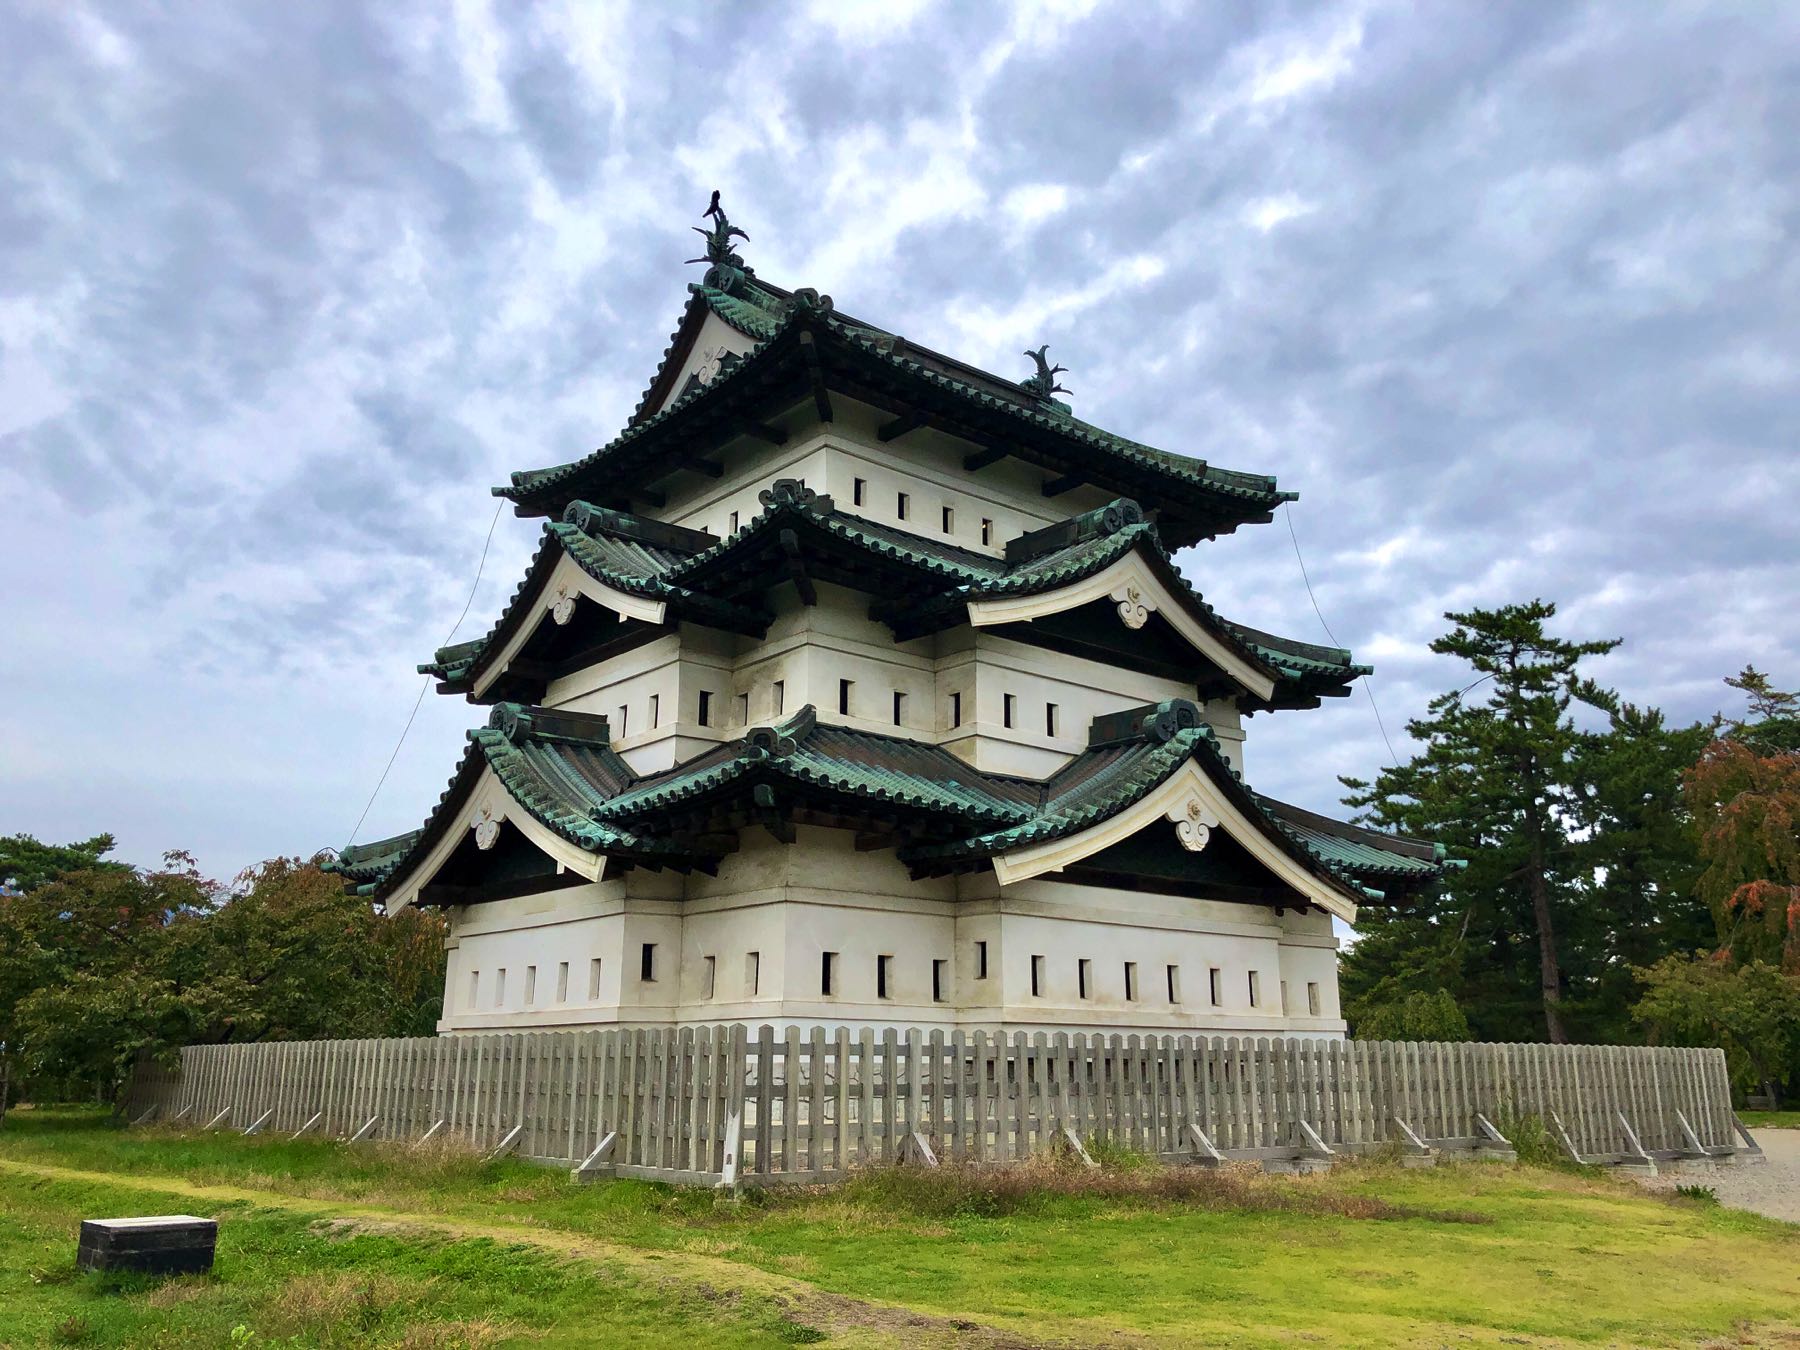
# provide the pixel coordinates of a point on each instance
(647, 963)
(828, 973)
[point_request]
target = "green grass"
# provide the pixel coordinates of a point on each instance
(440, 1249)
(1771, 1120)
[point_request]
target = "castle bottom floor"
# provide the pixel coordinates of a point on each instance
(822, 935)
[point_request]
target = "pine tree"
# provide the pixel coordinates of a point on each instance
(1496, 783)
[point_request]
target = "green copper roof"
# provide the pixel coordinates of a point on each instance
(889, 770)
(924, 584)
(560, 767)
(1207, 500)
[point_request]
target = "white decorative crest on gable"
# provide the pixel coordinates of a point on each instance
(710, 361)
(487, 830)
(1193, 823)
(1134, 605)
(563, 608)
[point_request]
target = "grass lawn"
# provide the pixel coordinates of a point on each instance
(1771, 1120)
(331, 1246)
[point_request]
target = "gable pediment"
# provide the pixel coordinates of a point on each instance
(1135, 589)
(1192, 809)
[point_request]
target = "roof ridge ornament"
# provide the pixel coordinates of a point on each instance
(1043, 385)
(728, 270)
(793, 492)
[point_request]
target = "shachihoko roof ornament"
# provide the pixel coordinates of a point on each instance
(728, 268)
(1043, 385)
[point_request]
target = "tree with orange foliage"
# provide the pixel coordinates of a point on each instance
(1745, 797)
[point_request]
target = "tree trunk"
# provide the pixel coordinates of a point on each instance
(1549, 968)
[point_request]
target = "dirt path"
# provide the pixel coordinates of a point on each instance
(1772, 1189)
(845, 1320)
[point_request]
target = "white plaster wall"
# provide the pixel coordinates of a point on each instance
(792, 904)
(715, 336)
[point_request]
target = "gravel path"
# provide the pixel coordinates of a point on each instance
(1773, 1189)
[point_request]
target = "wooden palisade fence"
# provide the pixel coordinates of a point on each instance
(727, 1104)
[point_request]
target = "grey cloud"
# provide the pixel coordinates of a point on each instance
(305, 289)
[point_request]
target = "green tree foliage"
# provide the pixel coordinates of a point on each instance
(1751, 1010)
(1497, 784)
(1745, 795)
(26, 864)
(1638, 869)
(104, 964)
(1417, 1016)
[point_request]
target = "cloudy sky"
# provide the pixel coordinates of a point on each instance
(1509, 293)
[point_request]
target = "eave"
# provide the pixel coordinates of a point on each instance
(785, 373)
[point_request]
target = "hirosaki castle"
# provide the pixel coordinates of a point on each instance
(853, 685)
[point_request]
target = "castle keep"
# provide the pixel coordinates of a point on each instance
(852, 685)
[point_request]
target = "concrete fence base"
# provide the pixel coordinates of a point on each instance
(729, 1104)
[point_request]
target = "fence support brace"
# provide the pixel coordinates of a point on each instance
(367, 1129)
(507, 1144)
(1313, 1146)
(1070, 1138)
(255, 1126)
(311, 1121)
(182, 1114)
(598, 1163)
(144, 1119)
(1204, 1152)
(218, 1120)
(1635, 1159)
(734, 1147)
(430, 1134)
(1413, 1152)
(915, 1147)
(1491, 1144)
(1751, 1153)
